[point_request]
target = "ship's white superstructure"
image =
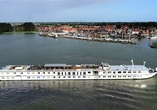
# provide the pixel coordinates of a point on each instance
(83, 71)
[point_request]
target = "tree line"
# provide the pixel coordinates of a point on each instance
(29, 26)
(7, 27)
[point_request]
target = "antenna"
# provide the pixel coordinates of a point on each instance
(144, 63)
(132, 61)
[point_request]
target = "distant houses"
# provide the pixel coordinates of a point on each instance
(123, 31)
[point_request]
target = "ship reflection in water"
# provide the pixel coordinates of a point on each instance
(79, 94)
(84, 84)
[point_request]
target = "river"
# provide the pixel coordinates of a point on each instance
(75, 94)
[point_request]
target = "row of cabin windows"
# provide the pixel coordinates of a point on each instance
(48, 77)
(59, 73)
(72, 73)
(118, 76)
(8, 77)
(125, 72)
(69, 77)
(58, 77)
(82, 77)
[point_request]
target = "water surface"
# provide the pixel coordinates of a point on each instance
(75, 94)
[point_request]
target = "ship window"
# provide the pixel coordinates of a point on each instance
(119, 76)
(54, 77)
(68, 76)
(48, 72)
(114, 76)
(28, 77)
(14, 72)
(21, 72)
(63, 76)
(84, 73)
(134, 71)
(109, 72)
(38, 76)
(27, 72)
(73, 76)
(73, 73)
(95, 72)
(129, 71)
(79, 76)
(43, 72)
(114, 72)
(104, 76)
(38, 72)
(109, 76)
(124, 76)
(68, 73)
(58, 73)
(89, 72)
(59, 77)
(139, 72)
(124, 71)
(119, 71)
(84, 76)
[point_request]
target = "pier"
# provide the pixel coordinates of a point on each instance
(83, 37)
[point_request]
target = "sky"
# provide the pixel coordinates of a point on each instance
(78, 10)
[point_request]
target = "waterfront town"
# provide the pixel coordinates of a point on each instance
(118, 32)
(122, 33)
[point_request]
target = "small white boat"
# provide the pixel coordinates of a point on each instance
(155, 37)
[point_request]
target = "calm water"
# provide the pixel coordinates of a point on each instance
(75, 94)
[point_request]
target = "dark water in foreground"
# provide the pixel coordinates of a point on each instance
(75, 94)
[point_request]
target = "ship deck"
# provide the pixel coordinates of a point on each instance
(48, 67)
(128, 68)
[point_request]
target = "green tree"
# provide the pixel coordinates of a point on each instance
(28, 26)
(5, 27)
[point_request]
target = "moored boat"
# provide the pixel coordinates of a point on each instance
(154, 37)
(153, 44)
(83, 71)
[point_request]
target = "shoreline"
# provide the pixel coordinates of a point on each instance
(22, 32)
(90, 39)
(103, 40)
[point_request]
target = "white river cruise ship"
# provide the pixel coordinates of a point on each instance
(83, 71)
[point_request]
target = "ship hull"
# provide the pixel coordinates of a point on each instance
(70, 75)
